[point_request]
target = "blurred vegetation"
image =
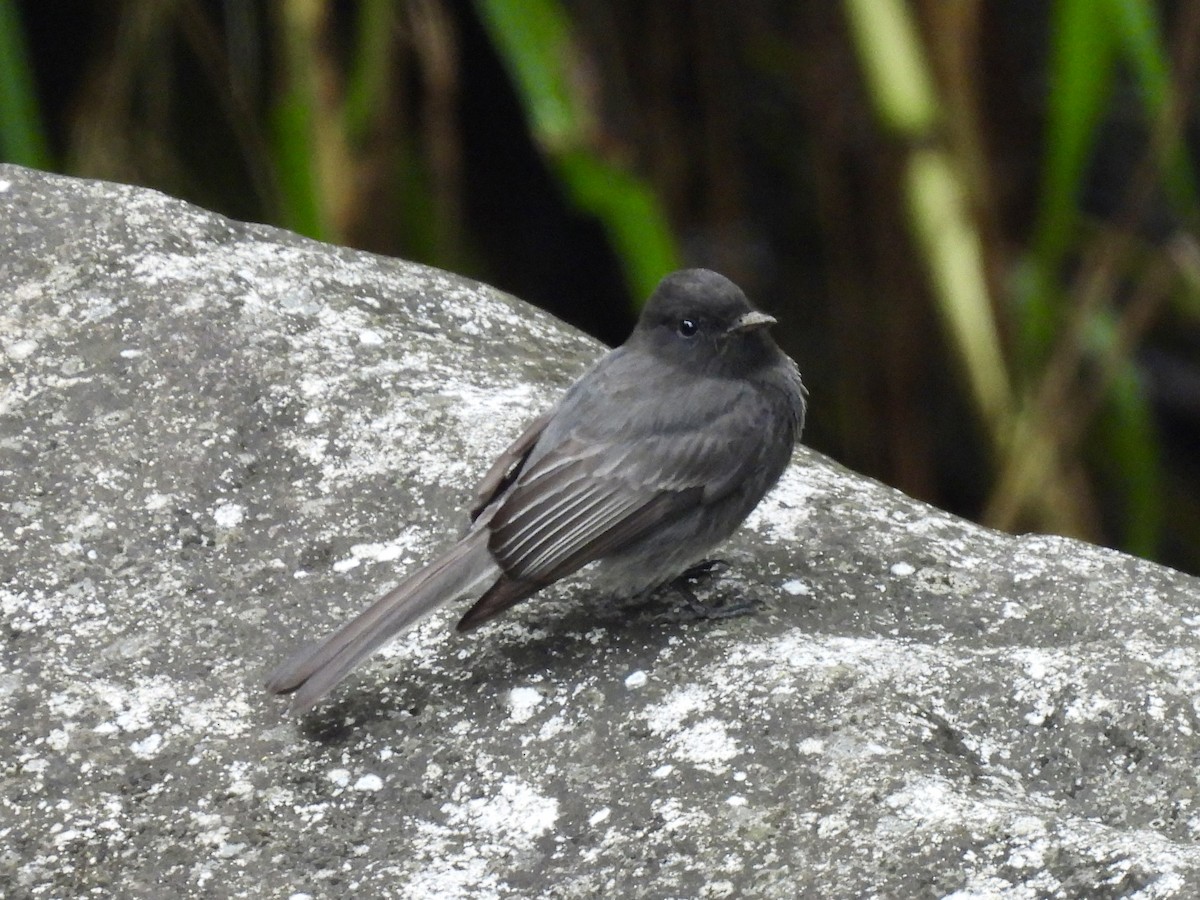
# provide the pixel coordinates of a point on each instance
(975, 219)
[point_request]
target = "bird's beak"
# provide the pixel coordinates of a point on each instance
(751, 321)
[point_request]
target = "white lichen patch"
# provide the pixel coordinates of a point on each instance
(553, 726)
(514, 815)
(496, 415)
(228, 717)
(147, 746)
(228, 515)
(668, 715)
(460, 854)
(404, 544)
(523, 703)
(368, 783)
(1023, 840)
(784, 512)
(136, 706)
(797, 587)
(20, 349)
(707, 745)
(678, 817)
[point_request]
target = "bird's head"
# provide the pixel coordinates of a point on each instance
(702, 321)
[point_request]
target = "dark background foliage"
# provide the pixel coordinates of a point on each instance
(974, 219)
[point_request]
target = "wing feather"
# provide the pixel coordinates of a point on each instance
(591, 491)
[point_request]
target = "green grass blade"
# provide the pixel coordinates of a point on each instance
(630, 213)
(889, 51)
(22, 137)
(294, 127)
(903, 91)
(533, 38)
(953, 254)
(1082, 65)
(1129, 446)
(367, 83)
(295, 165)
(1137, 27)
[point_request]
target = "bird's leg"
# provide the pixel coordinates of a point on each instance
(697, 608)
(707, 568)
(693, 607)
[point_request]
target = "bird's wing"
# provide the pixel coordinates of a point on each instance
(592, 495)
(566, 511)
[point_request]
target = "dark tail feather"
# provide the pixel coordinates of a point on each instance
(500, 596)
(466, 570)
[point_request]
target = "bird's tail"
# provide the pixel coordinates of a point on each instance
(467, 569)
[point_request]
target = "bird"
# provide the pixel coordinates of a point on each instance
(650, 460)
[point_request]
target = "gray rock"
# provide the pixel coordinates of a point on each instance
(218, 440)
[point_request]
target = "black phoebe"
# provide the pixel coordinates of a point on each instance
(651, 459)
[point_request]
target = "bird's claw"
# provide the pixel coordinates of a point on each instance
(708, 568)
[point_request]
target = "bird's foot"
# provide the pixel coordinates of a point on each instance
(708, 568)
(694, 607)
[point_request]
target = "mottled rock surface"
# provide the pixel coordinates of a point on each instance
(219, 439)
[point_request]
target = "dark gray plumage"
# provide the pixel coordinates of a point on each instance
(651, 459)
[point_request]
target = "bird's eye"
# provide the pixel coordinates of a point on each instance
(688, 328)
